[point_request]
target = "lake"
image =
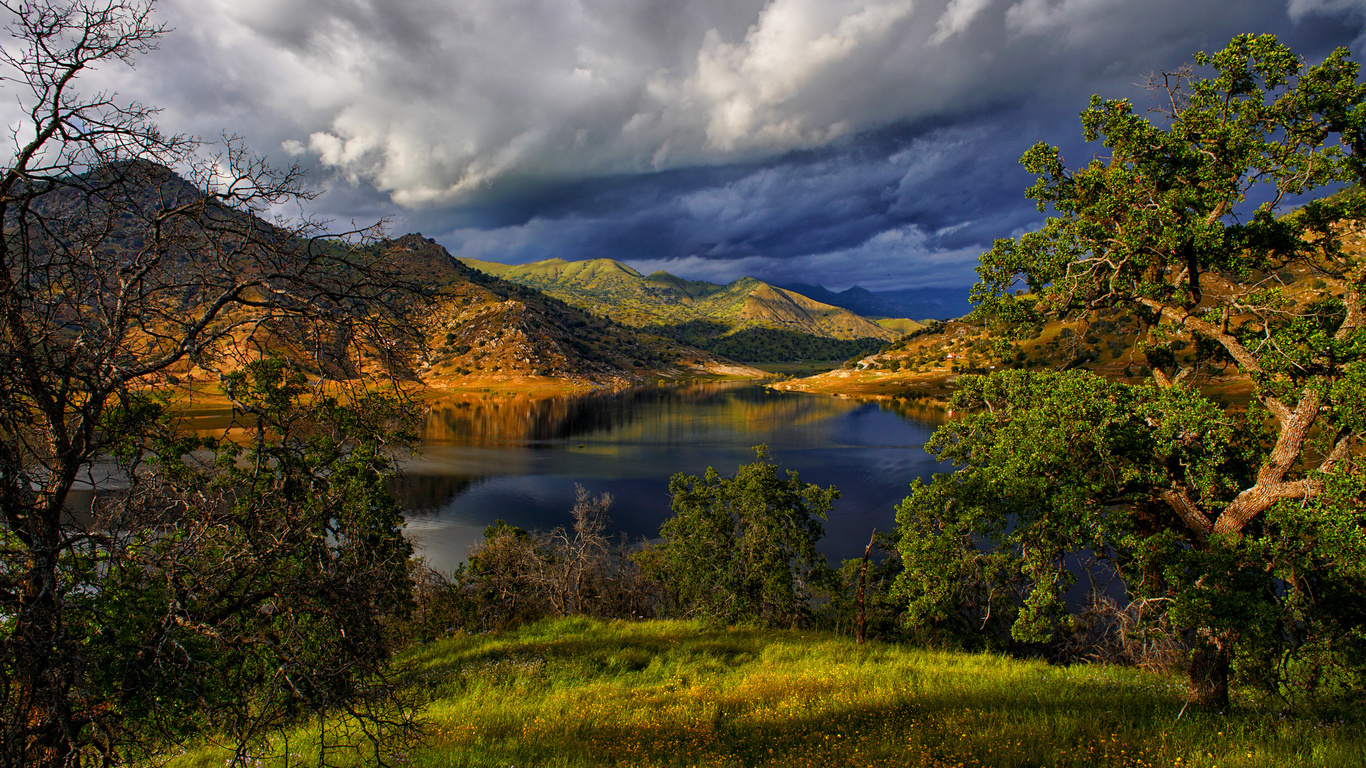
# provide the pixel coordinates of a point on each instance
(485, 458)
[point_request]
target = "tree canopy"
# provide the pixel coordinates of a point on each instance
(1244, 520)
(743, 548)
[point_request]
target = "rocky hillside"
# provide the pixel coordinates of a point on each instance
(479, 329)
(489, 329)
(928, 362)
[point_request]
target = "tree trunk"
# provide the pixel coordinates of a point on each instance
(1209, 673)
(860, 622)
(39, 733)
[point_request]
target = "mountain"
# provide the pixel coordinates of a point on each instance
(266, 290)
(747, 319)
(482, 330)
(928, 303)
(484, 327)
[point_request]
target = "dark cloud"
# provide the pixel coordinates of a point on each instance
(830, 141)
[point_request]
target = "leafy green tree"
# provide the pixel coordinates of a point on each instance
(235, 584)
(743, 548)
(1246, 522)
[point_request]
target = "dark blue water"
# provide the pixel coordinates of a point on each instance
(518, 460)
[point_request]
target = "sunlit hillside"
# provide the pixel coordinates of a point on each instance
(486, 330)
(746, 319)
(580, 692)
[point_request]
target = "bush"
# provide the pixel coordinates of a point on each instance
(516, 576)
(743, 548)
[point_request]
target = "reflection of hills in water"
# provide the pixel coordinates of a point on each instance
(428, 493)
(650, 414)
(920, 413)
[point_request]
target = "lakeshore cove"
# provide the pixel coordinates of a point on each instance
(486, 457)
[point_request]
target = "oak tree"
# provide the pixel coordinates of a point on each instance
(743, 548)
(1244, 521)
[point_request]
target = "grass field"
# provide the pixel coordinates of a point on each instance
(579, 692)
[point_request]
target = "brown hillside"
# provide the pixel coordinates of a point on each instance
(929, 362)
(487, 330)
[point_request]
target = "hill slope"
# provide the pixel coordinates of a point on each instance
(928, 363)
(581, 693)
(491, 329)
(746, 316)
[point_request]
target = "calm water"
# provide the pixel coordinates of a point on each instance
(516, 459)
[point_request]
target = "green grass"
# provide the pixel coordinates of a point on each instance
(578, 692)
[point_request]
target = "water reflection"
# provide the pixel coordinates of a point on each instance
(429, 493)
(666, 414)
(518, 459)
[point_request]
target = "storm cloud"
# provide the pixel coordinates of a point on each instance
(838, 142)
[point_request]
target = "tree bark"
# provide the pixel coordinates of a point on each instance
(1209, 673)
(860, 620)
(43, 717)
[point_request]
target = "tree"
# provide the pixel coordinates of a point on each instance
(578, 572)
(503, 573)
(239, 583)
(1246, 522)
(119, 272)
(862, 588)
(515, 576)
(743, 548)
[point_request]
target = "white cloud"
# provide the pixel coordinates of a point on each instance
(750, 87)
(438, 104)
(957, 18)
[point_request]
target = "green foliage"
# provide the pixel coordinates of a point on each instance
(203, 593)
(1239, 521)
(1053, 464)
(1057, 465)
(883, 609)
(743, 548)
(499, 580)
(515, 576)
(239, 593)
(758, 344)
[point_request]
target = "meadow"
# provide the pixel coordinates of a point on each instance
(582, 692)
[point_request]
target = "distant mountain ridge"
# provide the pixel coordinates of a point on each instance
(917, 303)
(745, 319)
(487, 327)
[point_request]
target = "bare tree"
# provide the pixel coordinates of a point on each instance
(119, 272)
(514, 576)
(574, 575)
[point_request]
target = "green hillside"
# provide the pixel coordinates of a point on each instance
(747, 319)
(580, 693)
(487, 329)
(607, 287)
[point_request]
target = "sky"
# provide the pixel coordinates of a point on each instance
(834, 142)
